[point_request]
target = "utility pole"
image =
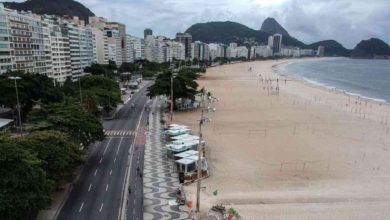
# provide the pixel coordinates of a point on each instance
(171, 96)
(17, 101)
(199, 171)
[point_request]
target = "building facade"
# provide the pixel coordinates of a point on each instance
(186, 40)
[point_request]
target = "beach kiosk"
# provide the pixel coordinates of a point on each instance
(175, 132)
(188, 166)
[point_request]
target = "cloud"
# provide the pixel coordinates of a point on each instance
(347, 21)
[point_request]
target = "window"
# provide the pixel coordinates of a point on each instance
(3, 46)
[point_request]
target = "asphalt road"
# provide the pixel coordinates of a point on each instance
(98, 194)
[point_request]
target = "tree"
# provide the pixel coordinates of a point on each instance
(58, 152)
(100, 90)
(32, 88)
(68, 117)
(112, 65)
(128, 67)
(23, 184)
(184, 84)
(96, 69)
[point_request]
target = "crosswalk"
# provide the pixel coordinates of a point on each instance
(118, 132)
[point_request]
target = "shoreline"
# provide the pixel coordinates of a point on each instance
(269, 152)
(284, 73)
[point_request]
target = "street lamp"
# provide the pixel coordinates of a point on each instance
(202, 120)
(173, 75)
(15, 78)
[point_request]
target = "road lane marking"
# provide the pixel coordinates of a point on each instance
(107, 188)
(95, 172)
(89, 188)
(117, 151)
(101, 159)
(110, 172)
(124, 198)
(107, 146)
(81, 207)
(101, 207)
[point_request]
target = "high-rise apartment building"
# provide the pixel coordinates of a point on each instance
(134, 48)
(120, 33)
(58, 47)
(59, 50)
(216, 51)
(80, 44)
(186, 40)
(275, 42)
(114, 46)
(97, 25)
(320, 51)
(147, 32)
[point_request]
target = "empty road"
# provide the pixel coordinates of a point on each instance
(98, 194)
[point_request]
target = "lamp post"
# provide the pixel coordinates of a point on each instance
(15, 78)
(202, 120)
(173, 75)
(172, 97)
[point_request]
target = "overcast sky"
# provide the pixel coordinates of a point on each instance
(347, 21)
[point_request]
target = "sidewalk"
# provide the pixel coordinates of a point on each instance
(160, 176)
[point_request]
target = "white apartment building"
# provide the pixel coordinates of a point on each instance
(307, 52)
(98, 25)
(134, 48)
(216, 50)
(200, 51)
(233, 51)
(242, 51)
(120, 40)
(114, 46)
(16, 44)
(178, 50)
(100, 45)
(260, 51)
(54, 46)
(58, 50)
(81, 46)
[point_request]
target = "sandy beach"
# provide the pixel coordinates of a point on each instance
(301, 153)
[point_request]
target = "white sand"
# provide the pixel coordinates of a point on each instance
(307, 153)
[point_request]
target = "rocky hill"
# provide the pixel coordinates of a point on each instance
(227, 32)
(332, 48)
(271, 26)
(371, 48)
(52, 7)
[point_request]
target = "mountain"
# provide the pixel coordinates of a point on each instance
(332, 48)
(227, 32)
(224, 32)
(52, 7)
(271, 26)
(371, 48)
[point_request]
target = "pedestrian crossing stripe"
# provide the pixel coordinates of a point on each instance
(118, 132)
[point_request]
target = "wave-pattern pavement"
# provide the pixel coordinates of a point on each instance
(160, 177)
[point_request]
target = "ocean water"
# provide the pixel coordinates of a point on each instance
(365, 78)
